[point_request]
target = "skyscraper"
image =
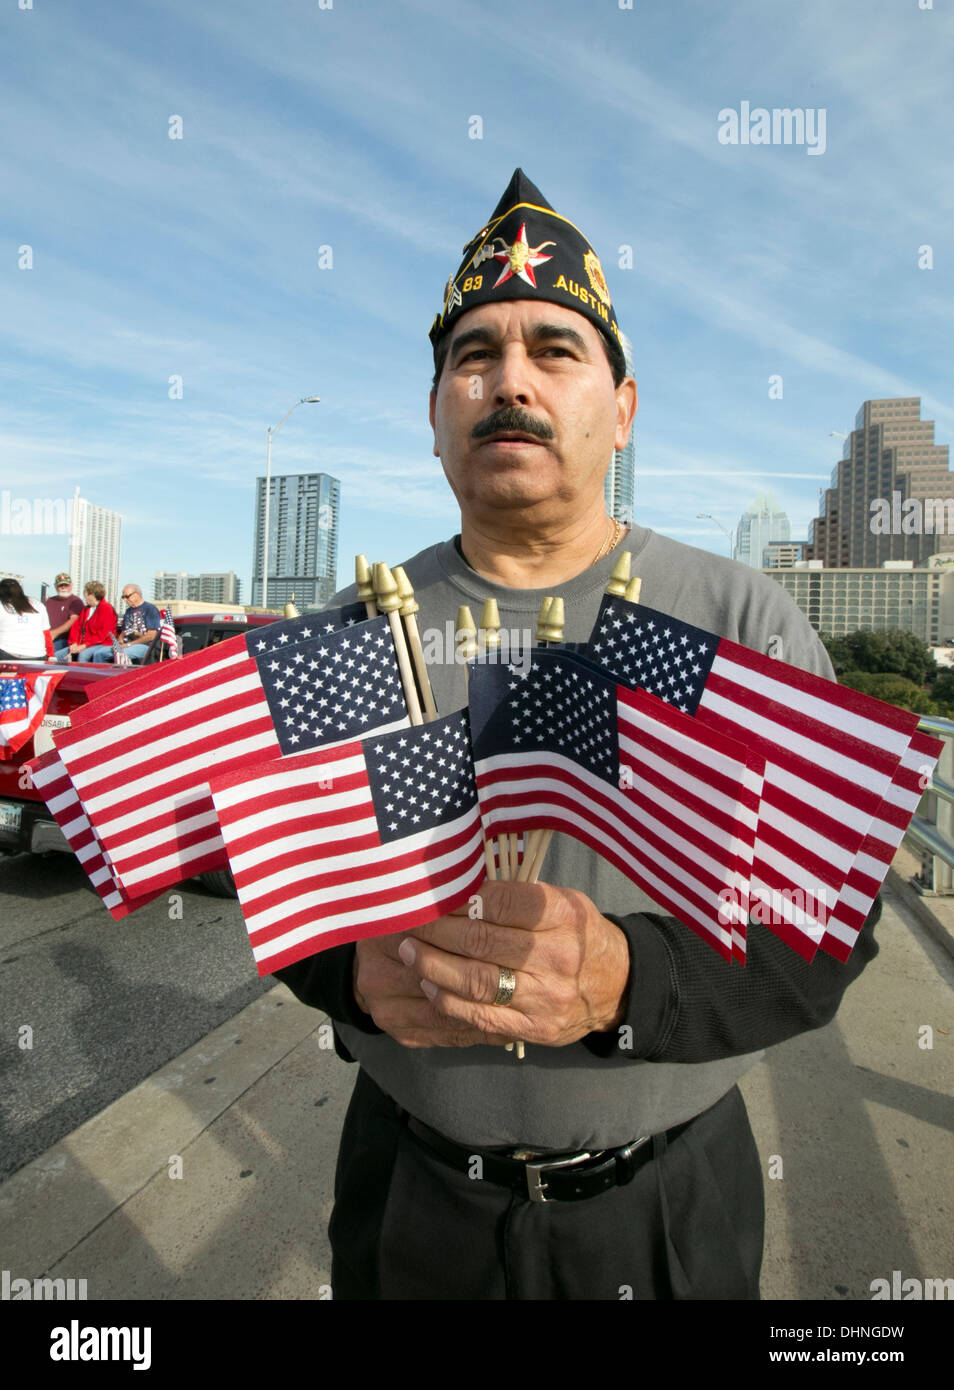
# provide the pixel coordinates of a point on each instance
(890, 457)
(203, 588)
(95, 539)
(619, 486)
(302, 542)
(762, 523)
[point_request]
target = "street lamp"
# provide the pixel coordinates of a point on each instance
(707, 516)
(305, 400)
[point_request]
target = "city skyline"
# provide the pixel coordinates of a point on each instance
(267, 203)
(303, 516)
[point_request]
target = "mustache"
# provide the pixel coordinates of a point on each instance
(512, 417)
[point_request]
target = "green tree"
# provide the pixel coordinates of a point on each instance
(882, 653)
(892, 688)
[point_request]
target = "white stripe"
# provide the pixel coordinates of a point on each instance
(282, 878)
(612, 828)
(748, 722)
(285, 777)
(155, 747)
(726, 805)
(429, 898)
(826, 712)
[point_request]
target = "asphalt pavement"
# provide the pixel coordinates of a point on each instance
(212, 1178)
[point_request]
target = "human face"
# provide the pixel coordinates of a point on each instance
(546, 367)
(132, 596)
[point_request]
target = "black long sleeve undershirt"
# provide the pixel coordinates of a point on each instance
(685, 1003)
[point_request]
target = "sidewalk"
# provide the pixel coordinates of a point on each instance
(854, 1121)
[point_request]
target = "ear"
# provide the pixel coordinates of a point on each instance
(432, 416)
(626, 404)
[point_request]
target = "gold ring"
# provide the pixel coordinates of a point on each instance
(506, 984)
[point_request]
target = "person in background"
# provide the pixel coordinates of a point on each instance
(91, 636)
(24, 625)
(140, 623)
(62, 610)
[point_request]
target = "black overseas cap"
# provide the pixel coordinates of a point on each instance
(528, 251)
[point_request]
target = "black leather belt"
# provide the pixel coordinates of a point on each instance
(568, 1177)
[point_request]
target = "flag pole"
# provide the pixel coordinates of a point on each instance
(465, 646)
(388, 601)
(365, 582)
(410, 606)
(489, 640)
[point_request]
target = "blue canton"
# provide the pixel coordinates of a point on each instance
(331, 688)
(291, 630)
(659, 654)
(421, 778)
(558, 704)
(13, 694)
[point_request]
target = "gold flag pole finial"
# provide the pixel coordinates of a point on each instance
(465, 640)
(632, 589)
(620, 576)
(389, 602)
(542, 617)
(365, 583)
(409, 608)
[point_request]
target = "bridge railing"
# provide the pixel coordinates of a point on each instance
(932, 828)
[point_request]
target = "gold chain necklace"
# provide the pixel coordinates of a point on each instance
(613, 540)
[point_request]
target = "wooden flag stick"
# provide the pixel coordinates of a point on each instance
(550, 624)
(409, 607)
(489, 640)
(388, 600)
(465, 646)
(362, 574)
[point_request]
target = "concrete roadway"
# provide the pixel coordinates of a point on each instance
(854, 1121)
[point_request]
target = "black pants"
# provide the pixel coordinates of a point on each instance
(407, 1226)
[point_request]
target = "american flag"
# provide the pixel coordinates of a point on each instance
(375, 836)
(51, 779)
(142, 771)
(24, 701)
(120, 655)
(167, 634)
(880, 846)
(673, 805)
(138, 681)
(831, 754)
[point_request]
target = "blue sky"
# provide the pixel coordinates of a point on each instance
(349, 127)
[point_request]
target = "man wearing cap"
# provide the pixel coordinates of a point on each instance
(62, 611)
(616, 1160)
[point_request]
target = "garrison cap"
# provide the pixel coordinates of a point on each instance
(528, 251)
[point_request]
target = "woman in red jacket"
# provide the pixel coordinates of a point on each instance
(92, 633)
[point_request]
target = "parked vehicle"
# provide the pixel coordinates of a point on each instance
(26, 825)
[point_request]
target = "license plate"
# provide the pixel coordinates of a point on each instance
(10, 816)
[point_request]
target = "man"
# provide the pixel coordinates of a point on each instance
(139, 626)
(625, 1116)
(62, 610)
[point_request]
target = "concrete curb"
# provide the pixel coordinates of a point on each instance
(52, 1204)
(920, 908)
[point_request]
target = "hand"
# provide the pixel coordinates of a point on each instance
(571, 965)
(390, 992)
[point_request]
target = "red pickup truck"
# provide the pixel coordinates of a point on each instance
(26, 826)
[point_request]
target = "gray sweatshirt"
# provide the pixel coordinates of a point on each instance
(695, 1024)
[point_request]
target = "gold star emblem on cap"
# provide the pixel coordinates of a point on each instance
(520, 258)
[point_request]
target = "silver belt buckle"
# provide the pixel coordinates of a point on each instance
(536, 1187)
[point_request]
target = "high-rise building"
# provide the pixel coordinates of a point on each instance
(203, 588)
(918, 599)
(782, 555)
(889, 460)
(619, 485)
(95, 539)
(763, 523)
(302, 542)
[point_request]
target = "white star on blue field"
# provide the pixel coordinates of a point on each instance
(297, 238)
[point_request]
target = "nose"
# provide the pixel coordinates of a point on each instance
(511, 384)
